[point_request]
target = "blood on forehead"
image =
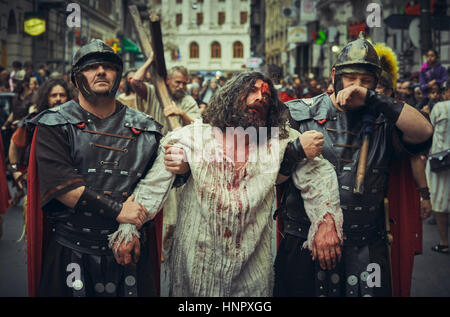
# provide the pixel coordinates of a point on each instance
(264, 88)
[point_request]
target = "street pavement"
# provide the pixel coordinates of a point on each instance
(431, 275)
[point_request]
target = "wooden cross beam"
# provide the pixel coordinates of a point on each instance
(158, 69)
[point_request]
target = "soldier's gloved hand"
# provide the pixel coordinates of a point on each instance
(312, 143)
(326, 245)
(175, 160)
(128, 254)
(132, 212)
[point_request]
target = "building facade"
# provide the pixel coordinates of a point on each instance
(98, 19)
(206, 36)
(339, 21)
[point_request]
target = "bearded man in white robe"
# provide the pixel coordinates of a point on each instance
(222, 243)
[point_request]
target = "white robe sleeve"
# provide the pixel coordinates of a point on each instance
(151, 191)
(317, 181)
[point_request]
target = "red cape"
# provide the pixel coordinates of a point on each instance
(38, 232)
(4, 189)
(36, 239)
(404, 210)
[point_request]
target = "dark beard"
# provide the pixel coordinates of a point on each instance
(244, 118)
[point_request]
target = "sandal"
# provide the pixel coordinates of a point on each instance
(440, 248)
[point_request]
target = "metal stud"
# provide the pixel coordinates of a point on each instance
(77, 285)
(99, 288)
(335, 278)
(364, 275)
(110, 288)
(130, 280)
(321, 275)
(352, 280)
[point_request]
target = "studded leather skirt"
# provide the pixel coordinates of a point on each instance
(363, 271)
(67, 272)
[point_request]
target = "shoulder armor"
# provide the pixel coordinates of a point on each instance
(141, 121)
(62, 114)
(316, 108)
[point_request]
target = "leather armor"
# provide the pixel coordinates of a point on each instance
(343, 133)
(111, 155)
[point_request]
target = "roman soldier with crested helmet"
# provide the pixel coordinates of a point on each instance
(358, 125)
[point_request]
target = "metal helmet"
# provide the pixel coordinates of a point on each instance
(93, 53)
(360, 57)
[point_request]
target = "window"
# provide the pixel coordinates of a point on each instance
(238, 50)
(215, 50)
(221, 18)
(12, 26)
(200, 18)
(244, 16)
(178, 19)
(193, 50)
(105, 6)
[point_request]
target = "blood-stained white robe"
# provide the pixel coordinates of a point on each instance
(222, 243)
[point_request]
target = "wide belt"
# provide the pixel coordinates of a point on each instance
(366, 234)
(85, 240)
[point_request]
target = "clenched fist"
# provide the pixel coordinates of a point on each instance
(128, 253)
(175, 160)
(351, 97)
(326, 245)
(312, 143)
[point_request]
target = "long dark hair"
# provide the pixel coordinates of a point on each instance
(44, 91)
(228, 100)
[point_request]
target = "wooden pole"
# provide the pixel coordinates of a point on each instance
(157, 80)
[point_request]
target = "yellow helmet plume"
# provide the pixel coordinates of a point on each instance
(389, 64)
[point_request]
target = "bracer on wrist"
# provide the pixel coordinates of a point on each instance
(294, 154)
(95, 202)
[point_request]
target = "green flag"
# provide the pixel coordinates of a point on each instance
(129, 46)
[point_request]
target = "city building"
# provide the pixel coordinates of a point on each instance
(206, 36)
(100, 19)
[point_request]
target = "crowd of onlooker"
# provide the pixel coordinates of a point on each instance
(21, 86)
